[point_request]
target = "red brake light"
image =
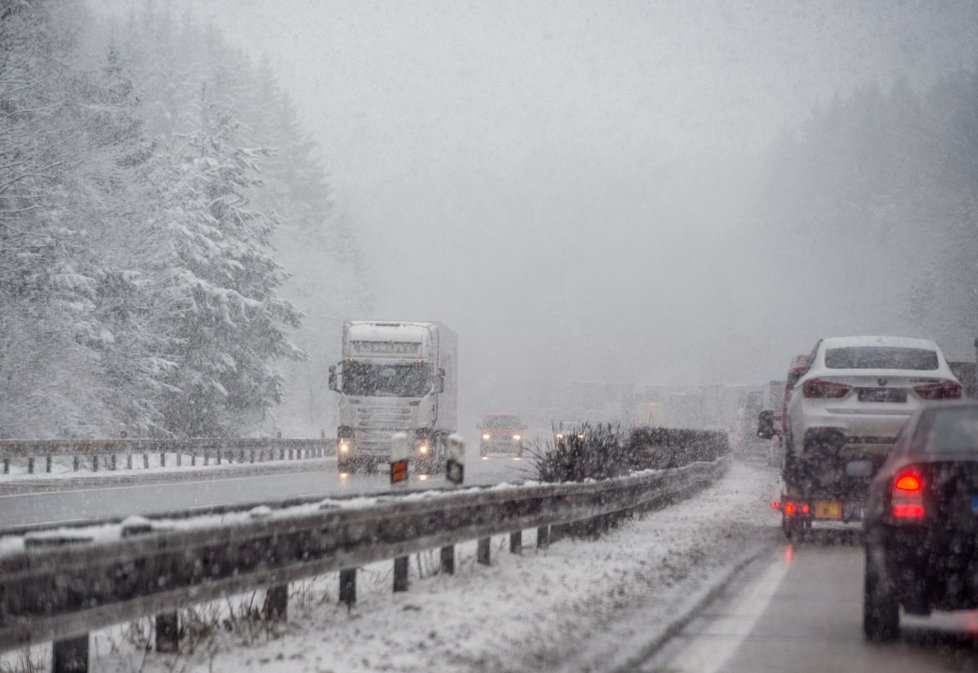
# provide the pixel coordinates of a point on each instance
(820, 388)
(939, 390)
(907, 498)
(789, 508)
(907, 482)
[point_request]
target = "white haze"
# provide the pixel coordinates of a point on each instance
(555, 180)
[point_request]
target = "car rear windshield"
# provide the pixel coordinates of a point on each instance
(953, 431)
(501, 422)
(880, 357)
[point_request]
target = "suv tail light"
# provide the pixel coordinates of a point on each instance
(907, 497)
(939, 390)
(820, 388)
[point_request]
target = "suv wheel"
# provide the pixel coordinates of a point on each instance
(881, 610)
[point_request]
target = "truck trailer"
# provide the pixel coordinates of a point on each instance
(395, 377)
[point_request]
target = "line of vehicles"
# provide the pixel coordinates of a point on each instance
(875, 430)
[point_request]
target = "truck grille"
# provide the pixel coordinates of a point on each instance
(377, 421)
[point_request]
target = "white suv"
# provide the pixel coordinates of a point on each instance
(846, 409)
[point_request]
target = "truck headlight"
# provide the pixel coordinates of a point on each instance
(486, 436)
(344, 447)
(516, 438)
(423, 449)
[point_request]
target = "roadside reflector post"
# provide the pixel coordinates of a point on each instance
(401, 573)
(482, 551)
(348, 587)
(400, 450)
(543, 537)
(516, 542)
(30, 465)
(167, 632)
(70, 656)
(455, 463)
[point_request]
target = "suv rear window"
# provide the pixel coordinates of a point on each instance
(880, 357)
(953, 431)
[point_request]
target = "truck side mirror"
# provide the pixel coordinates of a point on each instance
(765, 424)
(332, 378)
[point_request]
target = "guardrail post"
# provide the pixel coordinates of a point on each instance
(516, 542)
(145, 461)
(179, 457)
(128, 461)
(113, 463)
(543, 537)
(290, 454)
(348, 587)
(70, 656)
(401, 573)
(448, 559)
(47, 463)
(207, 458)
(193, 458)
(252, 455)
(162, 458)
(95, 463)
(6, 465)
(74, 463)
(482, 551)
(276, 602)
(167, 632)
(30, 465)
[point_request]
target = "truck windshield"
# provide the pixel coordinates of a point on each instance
(879, 357)
(408, 380)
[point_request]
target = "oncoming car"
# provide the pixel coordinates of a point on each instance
(501, 433)
(922, 521)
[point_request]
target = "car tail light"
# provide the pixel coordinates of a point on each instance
(907, 497)
(820, 388)
(939, 390)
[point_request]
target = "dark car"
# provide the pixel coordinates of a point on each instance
(921, 524)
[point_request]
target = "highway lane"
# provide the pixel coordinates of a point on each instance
(799, 610)
(69, 503)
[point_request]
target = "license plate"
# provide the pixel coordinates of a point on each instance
(974, 503)
(882, 395)
(828, 509)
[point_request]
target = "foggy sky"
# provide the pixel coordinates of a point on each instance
(550, 178)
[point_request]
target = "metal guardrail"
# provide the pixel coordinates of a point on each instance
(103, 453)
(62, 592)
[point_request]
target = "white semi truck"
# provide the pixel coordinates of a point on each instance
(395, 377)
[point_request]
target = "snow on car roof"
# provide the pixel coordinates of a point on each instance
(902, 342)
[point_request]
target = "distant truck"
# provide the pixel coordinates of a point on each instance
(395, 377)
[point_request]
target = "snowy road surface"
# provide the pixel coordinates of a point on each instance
(70, 503)
(798, 609)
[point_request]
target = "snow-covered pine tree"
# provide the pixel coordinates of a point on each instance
(228, 321)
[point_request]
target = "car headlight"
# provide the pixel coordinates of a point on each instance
(423, 449)
(516, 438)
(344, 447)
(486, 436)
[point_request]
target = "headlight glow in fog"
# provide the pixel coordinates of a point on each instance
(516, 437)
(485, 436)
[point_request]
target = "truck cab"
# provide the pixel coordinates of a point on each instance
(395, 377)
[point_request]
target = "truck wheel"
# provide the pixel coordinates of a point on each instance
(881, 610)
